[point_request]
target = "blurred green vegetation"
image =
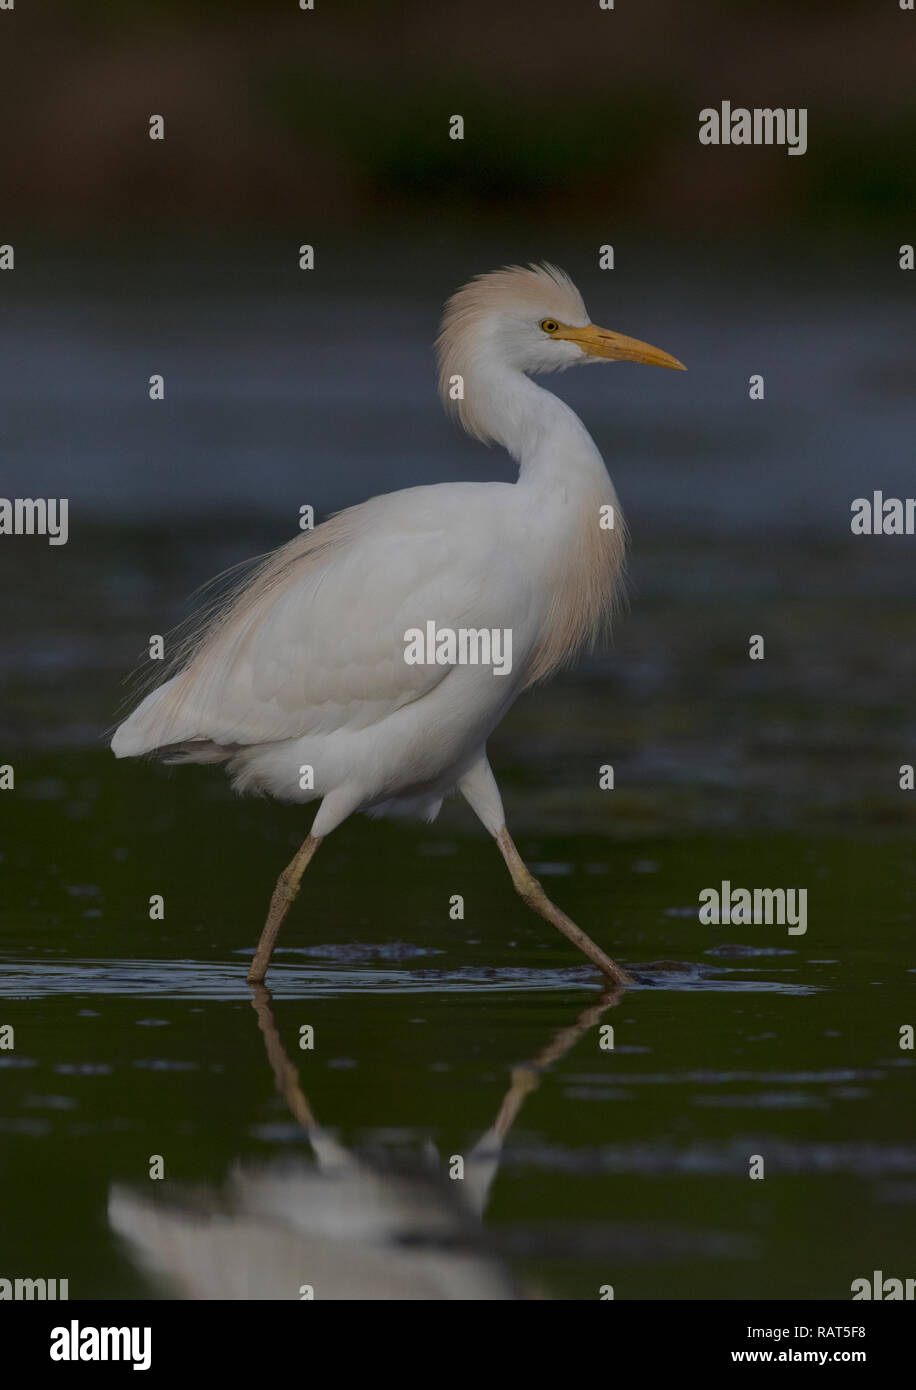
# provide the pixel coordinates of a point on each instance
(534, 154)
(574, 116)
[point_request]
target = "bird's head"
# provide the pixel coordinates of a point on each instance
(528, 319)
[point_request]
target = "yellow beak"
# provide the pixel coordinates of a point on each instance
(601, 342)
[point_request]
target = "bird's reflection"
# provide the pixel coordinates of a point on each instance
(342, 1226)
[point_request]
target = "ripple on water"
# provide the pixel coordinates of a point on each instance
(728, 951)
(728, 1159)
(354, 950)
(216, 980)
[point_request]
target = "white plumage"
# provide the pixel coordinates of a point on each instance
(305, 665)
(311, 670)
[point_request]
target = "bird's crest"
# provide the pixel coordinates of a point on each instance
(515, 290)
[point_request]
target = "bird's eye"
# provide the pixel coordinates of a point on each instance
(549, 325)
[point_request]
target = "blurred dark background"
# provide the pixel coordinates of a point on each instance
(334, 118)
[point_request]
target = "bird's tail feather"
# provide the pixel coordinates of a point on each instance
(151, 729)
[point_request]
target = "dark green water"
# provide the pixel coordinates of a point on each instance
(626, 1167)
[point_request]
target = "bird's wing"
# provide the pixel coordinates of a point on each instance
(316, 642)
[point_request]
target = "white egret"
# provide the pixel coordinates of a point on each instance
(302, 682)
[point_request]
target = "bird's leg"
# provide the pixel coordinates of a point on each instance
(531, 892)
(479, 789)
(284, 893)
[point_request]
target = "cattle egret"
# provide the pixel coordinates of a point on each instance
(315, 678)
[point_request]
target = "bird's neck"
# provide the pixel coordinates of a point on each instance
(546, 438)
(575, 536)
